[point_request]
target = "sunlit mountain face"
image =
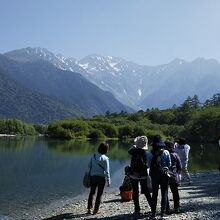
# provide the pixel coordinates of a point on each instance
(134, 85)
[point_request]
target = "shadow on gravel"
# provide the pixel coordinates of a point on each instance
(121, 217)
(113, 200)
(66, 216)
(200, 191)
(191, 207)
(216, 215)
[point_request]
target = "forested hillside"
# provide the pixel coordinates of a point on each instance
(37, 91)
(193, 120)
(198, 122)
(21, 103)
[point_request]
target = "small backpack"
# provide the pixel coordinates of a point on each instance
(126, 196)
(155, 166)
(139, 164)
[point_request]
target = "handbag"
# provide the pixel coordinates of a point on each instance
(174, 179)
(87, 179)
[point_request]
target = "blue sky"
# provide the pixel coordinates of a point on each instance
(148, 32)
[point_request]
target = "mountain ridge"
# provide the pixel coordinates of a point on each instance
(142, 86)
(67, 87)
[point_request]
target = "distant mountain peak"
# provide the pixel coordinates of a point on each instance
(178, 61)
(94, 62)
(137, 85)
(203, 60)
(31, 54)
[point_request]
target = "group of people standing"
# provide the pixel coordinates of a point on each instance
(162, 167)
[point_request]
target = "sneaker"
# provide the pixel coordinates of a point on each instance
(89, 212)
(168, 212)
(95, 212)
(164, 216)
(153, 216)
(137, 214)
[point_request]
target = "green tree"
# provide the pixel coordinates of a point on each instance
(125, 131)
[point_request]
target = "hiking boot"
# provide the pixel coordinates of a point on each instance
(153, 216)
(95, 212)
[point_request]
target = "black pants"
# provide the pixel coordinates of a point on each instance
(162, 181)
(144, 190)
(96, 182)
(176, 197)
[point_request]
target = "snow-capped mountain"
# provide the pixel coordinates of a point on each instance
(138, 86)
(67, 92)
(31, 54)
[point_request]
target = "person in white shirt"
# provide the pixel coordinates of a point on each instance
(182, 149)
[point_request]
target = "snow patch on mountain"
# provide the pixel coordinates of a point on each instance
(139, 92)
(84, 66)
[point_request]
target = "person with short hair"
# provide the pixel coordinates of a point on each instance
(100, 172)
(175, 170)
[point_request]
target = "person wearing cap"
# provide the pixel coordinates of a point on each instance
(182, 149)
(159, 168)
(175, 170)
(139, 155)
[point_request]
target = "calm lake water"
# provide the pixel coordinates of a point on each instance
(38, 171)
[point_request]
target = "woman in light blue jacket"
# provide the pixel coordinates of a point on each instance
(100, 172)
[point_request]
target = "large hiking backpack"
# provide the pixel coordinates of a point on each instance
(139, 164)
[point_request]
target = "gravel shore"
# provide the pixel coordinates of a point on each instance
(200, 200)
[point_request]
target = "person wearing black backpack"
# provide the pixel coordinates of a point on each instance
(159, 168)
(139, 171)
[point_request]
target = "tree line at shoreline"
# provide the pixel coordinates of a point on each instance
(193, 120)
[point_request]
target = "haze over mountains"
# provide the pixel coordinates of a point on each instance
(86, 86)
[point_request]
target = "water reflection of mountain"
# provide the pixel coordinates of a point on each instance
(40, 170)
(37, 175)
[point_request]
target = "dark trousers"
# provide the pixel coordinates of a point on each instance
(162, 181)
(176, 197)
(144, 190)
(96, 182)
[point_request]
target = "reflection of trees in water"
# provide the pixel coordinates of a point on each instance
(118, 149)
(203, 157)
(16, 143)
